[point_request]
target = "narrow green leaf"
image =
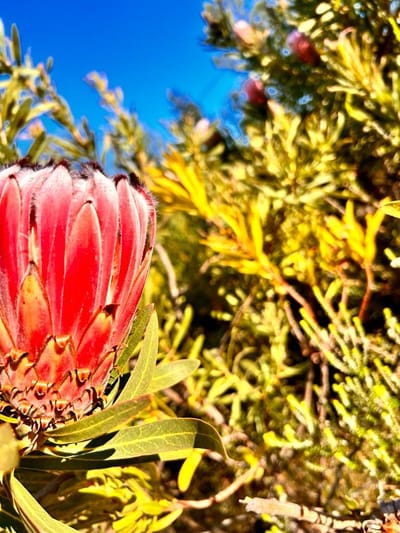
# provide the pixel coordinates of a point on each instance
(141, 376)
(41, 462)
(136, 335)
(37, 147)
(392, 209)
(168, 374)
(100, 423)
(20, 119)
(9, 518)
(35, 517)
(163, 436)
(16, 44)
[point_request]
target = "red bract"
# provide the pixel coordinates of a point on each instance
(75, 249)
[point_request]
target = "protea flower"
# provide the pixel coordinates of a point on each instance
(75, 249)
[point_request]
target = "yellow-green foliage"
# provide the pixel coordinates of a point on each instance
(275, 267)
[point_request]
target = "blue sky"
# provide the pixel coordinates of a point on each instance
(144, 46)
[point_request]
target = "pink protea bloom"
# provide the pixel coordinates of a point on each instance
(75, 249)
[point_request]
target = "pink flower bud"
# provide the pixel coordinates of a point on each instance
(244, 32)
(254, 90)
(303, 48)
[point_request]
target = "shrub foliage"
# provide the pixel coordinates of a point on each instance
(276, 266)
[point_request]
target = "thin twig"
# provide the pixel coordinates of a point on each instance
(274, 507)
(169, 269)
(223, 494)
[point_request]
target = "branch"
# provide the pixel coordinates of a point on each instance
(223, 494)
(272, 506)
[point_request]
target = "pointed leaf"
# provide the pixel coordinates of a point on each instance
(9, 518)
(168, 374)
(174, 435)
(392, 209)
(16, 44)
(188, 469)
(100, 423)
(35, 517)
(141, 376)
(136, 335)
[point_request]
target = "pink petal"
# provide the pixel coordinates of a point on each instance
(52, 206)
(34, 320)
(10, 211)
(82, 272)
(106, 202)
(95, 341)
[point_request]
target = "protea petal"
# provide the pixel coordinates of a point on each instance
(95, 341)
(56, 361)
(75, 250)
(34, 320)
(82, 272)
(105, 199)
(10, 208)
(6, 342)
(52, 209)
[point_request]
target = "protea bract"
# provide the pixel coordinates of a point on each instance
(75, 248)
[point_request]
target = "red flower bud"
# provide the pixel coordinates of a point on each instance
(303, 48)
(254, 90)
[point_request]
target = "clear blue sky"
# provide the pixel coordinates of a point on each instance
(144, 46)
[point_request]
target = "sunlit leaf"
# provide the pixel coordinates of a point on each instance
(141, 376)
(162, 437)
(392, 209)
(168, 374)
(35, 517)
(136, 335)
(188, 470)
(165, 439)
(100, 423)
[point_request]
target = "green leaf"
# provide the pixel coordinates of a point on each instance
(392, 209)
(8, 517)
(100, 423)
(168, 374)
(35, 518)
(37, 147)
(161, 438)
(20, 119)
(16, 44)
(136, 335)
(141, 376)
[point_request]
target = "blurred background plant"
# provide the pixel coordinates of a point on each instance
(275, 265)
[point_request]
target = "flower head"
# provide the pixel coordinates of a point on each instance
(75, 249)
